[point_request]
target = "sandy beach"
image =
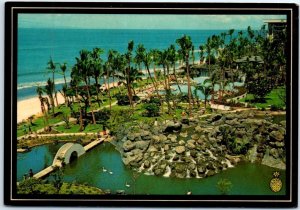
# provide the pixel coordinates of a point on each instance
(32, 106)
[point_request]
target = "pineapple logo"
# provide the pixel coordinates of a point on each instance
(276, 183)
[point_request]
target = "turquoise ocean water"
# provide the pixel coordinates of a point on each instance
(36, 46)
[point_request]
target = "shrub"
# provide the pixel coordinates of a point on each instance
(152, 110)
(123, 100)
(275, 107)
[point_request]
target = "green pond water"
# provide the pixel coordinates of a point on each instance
(246, 178)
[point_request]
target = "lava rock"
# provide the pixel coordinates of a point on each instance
(180, 149)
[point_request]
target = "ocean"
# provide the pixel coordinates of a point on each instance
(36, 46)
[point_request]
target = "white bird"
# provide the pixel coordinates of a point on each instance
(110, 172)
(189, 193)
(103, 169)
(127, 185)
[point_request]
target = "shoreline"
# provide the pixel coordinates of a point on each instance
(32, 106)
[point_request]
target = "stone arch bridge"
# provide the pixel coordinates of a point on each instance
(66, 154)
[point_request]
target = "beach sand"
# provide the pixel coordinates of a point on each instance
(32, 106)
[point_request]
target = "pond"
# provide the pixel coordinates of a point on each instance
(102, 167)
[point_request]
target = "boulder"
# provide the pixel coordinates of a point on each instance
(201, 169)
(193, 153)
(147, 164)
(273, 162)
(152, 149)
(185, 121)
(156, 138)
(276, 135)
(181, 142)
(279, 144)
(283, 123)
(195, 137)
(184, 135)
(128, 145)
(198, 129)
(191, 166)
(215, 117)
(172, 137)
(210, 173)
(166, 147)
(180, 167)
(162, 138)
(143, 145)
(172, 126)
(190, 145)
(180, 149)
(274, 153)
(158, 172)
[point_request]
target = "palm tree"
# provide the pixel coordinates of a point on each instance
(139, 55)
(154, 54)
(173, 58)
(201, 53)
(51, 67)
(49, 92)
(63, 68)
(213, 80)
(106, 75)
(146, 58)
(97, 69)
(208, 49)
(185, 44)
(39, 91)
(206, 90)
(129, 57)
(83, 66)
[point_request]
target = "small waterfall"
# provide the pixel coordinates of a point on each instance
(141, 168)
(211, 154)
(149, 171)
(228, 163)
(172, 157)
(197, 174)
(168, 172)
(188, 175)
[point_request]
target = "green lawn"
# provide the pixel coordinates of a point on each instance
(271, 99)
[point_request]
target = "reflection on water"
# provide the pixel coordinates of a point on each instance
(103, 167)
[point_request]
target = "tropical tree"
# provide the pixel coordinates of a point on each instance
(51, 68)
(63, 68)
(146, 58)
(213, 80)
(206, 90)
(154, 54)
(173, 58)
(185, 44)
(128, 56)
(97, 69)
(40, 91)
(49, 92)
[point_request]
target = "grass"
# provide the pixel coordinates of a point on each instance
(271, 99)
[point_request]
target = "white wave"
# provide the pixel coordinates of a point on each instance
(35, 84)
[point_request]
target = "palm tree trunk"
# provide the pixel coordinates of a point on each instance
(108, 91)
(97, 90)
(174, 71)
(189, 82)
(129, 86)
(153, 82)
